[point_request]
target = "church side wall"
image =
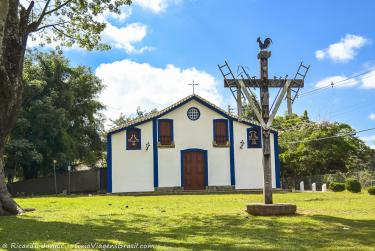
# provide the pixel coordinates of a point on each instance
(248, 161)
(193, 134)
(132, 170)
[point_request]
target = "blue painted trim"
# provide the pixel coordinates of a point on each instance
(155, 152)
(231, 153)
(277, 159)
(181, 104)
(182, 168)
(170, 123)
(205, 166)
(109, 164)
(258, 129)
(139, 135)
(214, 125)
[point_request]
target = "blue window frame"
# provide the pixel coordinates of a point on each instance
(165, 132)
(254, 137)
(220, 132)
(133, 139)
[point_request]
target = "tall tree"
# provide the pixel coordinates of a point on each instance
(123, 119)
(66, 22)
(303, 152)
(64, 98)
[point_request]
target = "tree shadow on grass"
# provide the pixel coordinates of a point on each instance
(194, 232)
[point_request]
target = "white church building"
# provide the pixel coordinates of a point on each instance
(190, 145)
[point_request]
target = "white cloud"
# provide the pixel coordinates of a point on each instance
(125, 37)
(344, 50)
(368, 80)
(371, 116)
(334, 79)
(130, 84)
(320, 54)
(126, 11)
(156, 6)
(369, 140)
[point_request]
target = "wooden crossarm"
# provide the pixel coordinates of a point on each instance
(273, 83)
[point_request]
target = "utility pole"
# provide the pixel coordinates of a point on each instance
(265, 115)
(265, 110)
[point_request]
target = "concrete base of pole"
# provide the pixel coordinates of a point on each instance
(259, 209)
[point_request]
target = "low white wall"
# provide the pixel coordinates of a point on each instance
(132, 170)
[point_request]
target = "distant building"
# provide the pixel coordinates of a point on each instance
(191, 145)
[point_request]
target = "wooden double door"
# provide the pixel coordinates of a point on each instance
(194, 166)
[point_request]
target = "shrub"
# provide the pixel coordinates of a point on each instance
(337, 186)
(371, 190)
(353, 185)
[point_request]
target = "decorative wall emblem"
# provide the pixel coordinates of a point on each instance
(254, 137)
(133, 140)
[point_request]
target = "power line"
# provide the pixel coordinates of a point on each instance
(334, 84)
(330, 137)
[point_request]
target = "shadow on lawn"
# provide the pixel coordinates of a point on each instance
(226, 232)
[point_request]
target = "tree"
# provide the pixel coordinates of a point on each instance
(123, 119)
(248, 112)
(66, 22)
(64, 98)
(303, 153)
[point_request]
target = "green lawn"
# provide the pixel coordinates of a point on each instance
(327, 221)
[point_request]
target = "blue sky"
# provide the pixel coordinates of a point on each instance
(159, 46)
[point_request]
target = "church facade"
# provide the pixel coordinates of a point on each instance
(190, 145)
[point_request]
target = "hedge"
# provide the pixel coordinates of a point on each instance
(353, 185)
(337, 186)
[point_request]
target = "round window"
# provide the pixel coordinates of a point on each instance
(193, 113)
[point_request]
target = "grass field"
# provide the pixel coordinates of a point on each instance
(326, 221)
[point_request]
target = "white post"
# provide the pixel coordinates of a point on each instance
(313, 187)
(324, 188)
(301, 186)
(54, 174)
(69, 169)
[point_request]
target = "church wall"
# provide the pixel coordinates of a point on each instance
(248, 161)
(132, 170)
(193, 134)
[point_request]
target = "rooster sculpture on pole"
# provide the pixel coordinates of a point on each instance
(264, 45)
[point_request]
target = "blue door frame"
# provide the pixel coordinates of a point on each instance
(205, 164)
